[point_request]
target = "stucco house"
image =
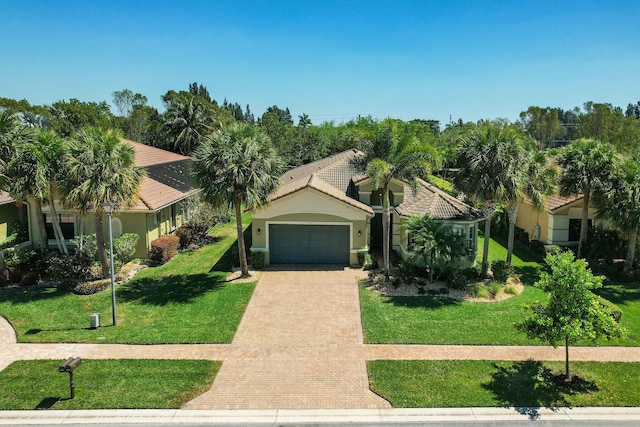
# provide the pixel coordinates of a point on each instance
(558, 223)
(159, 208)
(325, 212)
(10, 214)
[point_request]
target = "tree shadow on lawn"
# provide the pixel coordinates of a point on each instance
(528, 274)
(22, 295)
(529, 385)
(428, 302)
(171, 289)
(620, 293)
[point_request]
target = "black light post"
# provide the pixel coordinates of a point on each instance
(109, 208)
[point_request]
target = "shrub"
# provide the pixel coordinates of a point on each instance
(473, 274)
(510, 289)
(192, 234)
(537, 247)
(501, 270)
(494, 289)
(30, 278)
(552, 249)
(88, 244)
(361, 256)
(70, 269)
(88, 288)
(164, 248)
(406, 271)
(479, 291)
(370, 263)
(124, 247)
(257, 260)
(455, 278)
(612, 309)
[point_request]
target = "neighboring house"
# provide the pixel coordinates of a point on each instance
(324, 212)
(158, 210)
(10, 214)
(558, 223)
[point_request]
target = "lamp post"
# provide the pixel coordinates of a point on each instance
(109, 208)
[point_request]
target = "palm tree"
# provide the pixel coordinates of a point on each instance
(34, 169)
(187, 122)
(387, 157)
(489, 172)
(12, 134)
(99, 168)
(621, 203)
(538, 180)
(434, 240)
(237, 166)
(586, 169)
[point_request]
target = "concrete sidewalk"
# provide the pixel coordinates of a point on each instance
(281, 416)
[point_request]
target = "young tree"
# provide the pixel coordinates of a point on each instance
(620, 203)
(489, 172)
(187, 121)
(586, 168)
(572, 312)
(389, 156)
(100, 168)
(237, 166)
(434, 241)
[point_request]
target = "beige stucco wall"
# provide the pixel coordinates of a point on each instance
(309, 206)
(10, 213)
(529, 217)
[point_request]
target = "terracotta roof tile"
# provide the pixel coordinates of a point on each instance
(5, 198)
(438, 204)
(335, 176)
(147, 155)
(557, 201)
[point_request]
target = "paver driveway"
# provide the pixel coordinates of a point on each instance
(295, 346)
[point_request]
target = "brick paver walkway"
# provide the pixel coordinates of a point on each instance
(302, 328)
(298, 346)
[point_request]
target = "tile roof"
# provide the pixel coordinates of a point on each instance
(5, 198)
(168, 177)
(335, 176)
(167, 180)
(557, 201)
(438, 204)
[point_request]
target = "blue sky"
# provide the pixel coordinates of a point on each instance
(333, 60)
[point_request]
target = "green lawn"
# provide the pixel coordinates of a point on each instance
(466, 383)
(435, 320)
(105, 384)
(184, 301)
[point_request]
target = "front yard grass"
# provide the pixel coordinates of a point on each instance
(436, 320)
(186, 300)
(531, 384)
(105, 384)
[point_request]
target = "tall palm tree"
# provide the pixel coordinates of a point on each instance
(538, 180)
(237, 166)
(12, 134)
(621, 203)
(586, 169)
(489, 172)
(187, 121)
(99, 168)
(34, 169)
(389, 156)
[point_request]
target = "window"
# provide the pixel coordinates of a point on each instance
(174, 214)
(67, 224)
(158, 217)
(574, 229)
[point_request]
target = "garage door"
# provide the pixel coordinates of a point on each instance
(308, 244)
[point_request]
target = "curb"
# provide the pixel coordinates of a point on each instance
(288, 416)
